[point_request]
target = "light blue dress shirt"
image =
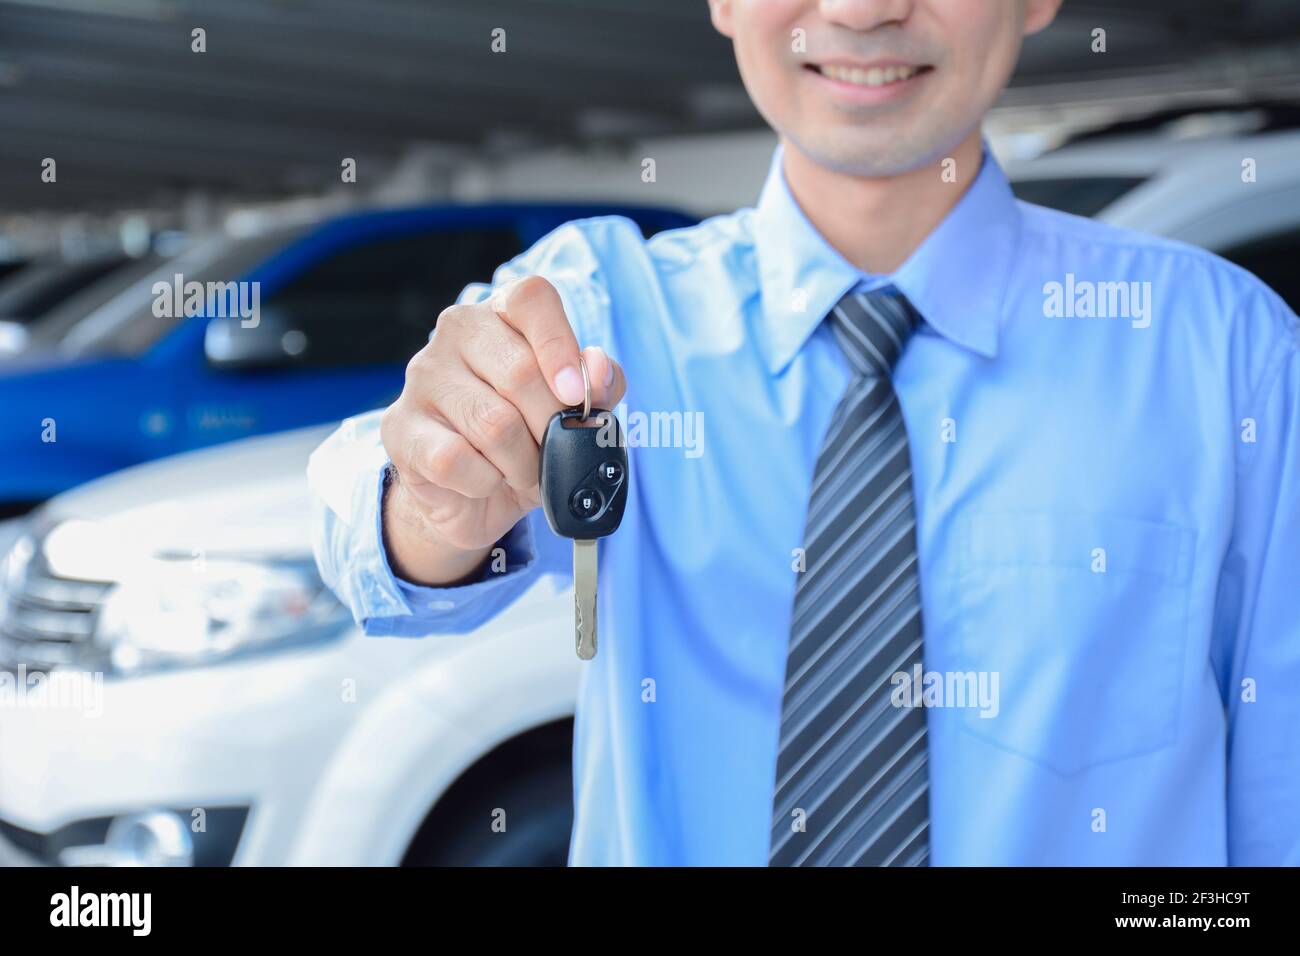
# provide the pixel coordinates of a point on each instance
(1108, 512)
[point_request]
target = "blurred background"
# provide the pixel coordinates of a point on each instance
(224, 228)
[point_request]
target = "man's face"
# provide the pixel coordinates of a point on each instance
(877, 87)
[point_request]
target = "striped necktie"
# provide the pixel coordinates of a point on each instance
(852, 776)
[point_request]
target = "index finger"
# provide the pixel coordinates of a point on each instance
(533, 307)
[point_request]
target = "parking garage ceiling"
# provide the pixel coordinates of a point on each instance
(287, 88)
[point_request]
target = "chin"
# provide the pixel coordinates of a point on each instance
(875, 153)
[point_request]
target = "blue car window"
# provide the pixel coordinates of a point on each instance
(377, 303)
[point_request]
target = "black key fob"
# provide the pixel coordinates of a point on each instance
(583, 474)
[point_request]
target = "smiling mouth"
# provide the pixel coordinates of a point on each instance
(874, 76)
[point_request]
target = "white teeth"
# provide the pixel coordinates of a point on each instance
(872, 77)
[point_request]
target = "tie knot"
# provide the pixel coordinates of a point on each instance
(873, 327)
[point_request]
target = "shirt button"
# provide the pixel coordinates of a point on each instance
(441, 605)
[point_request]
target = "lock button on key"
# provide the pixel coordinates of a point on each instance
(587, 503)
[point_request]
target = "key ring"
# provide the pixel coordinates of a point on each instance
(586, 389)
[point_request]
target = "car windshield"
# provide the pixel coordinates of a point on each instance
(1080, 195)
(126, 324)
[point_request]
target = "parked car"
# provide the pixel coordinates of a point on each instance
(341, 306)
(1238, 196)
(236, 684)
(443, 731)
(43, 287)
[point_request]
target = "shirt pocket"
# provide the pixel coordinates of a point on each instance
(1083, 620)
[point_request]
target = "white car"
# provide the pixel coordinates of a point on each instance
(1238, 196)
(237, 687)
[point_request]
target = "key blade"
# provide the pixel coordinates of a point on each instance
(584, 597)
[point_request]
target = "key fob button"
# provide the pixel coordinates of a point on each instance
(611, 471)
(587, 503)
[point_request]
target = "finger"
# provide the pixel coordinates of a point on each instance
(446, 460)
(434, 501)
(502, 357)
(487, 421)
(607, 382)
(533, 307)
(455, 517)
(465, 523)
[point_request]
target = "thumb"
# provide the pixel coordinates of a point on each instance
(608, 384)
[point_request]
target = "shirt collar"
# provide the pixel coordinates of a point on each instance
(956, 278)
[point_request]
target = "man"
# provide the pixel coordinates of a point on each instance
(953, 579)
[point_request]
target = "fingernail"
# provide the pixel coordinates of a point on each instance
(568, 386)
(609, 367)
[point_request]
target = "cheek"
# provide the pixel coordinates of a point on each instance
(772, 18)
(995, 65)
(766, 63)
(764, 31)
(984, 58)
(756, 67)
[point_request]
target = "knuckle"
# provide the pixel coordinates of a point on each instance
(453, 317)
(485, 486)
(442, 461)
(552, 342)
(518, 371)
(528, 291)
(497, 422)
(419, 364)
(395, 432)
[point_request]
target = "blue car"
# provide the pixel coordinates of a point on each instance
(335, 311)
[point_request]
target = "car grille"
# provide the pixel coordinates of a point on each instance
(46, 621)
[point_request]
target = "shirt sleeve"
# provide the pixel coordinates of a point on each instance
(1260, 607)
(345, 477)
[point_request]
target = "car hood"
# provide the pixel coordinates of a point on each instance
(24, 366)
(244, 498)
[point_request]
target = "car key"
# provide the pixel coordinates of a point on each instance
(583, 479)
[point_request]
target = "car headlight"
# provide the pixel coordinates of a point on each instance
(183, 613)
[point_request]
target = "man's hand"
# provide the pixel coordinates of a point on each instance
(464, 434)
